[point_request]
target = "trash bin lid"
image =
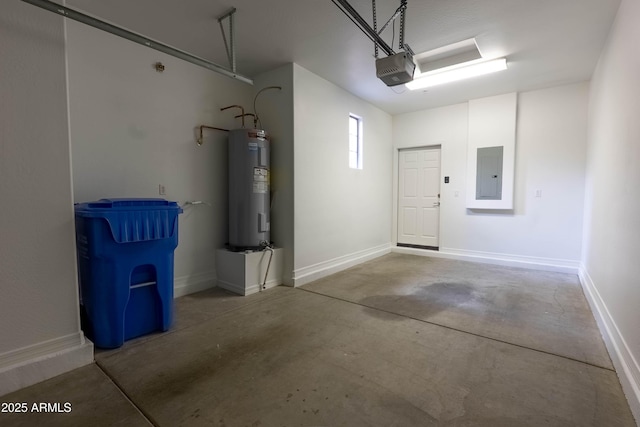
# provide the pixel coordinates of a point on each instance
(110, 205)
(134, 220)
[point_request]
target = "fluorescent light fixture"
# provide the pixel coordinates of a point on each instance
(454, 73)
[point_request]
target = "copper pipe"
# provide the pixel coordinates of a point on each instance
(255, 98)
(235, 106)
(200, 140)
(255, 118)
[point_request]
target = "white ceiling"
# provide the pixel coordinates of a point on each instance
(546, 42)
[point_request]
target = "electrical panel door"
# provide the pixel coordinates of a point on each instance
(489, 173)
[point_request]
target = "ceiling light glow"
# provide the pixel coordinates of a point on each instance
(436, 77)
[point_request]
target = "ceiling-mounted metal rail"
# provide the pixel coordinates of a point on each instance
(231, 45)
(399, 10)
(375, 27)
(401, 42)
(136, 38)
(355, 17)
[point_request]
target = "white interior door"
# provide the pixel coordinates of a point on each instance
(419, 197)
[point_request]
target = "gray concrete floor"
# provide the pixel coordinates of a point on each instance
(398, 341)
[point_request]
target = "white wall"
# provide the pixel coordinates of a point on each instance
(276, 112)
(611, 271)
(550, 156)
(39, 304)
(342, 215)
(133, 128)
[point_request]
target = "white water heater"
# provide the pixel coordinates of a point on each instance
(249, 200)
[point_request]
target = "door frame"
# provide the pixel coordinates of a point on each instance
(396, 188)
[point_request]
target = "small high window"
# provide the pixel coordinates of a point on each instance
(355, 142)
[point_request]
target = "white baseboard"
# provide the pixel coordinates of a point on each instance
(251, 289)
(308, 274)
(536, 263)
(38, 362)
(193, 283)
(625, 363)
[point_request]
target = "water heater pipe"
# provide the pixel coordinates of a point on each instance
(200, 141)
(255, 118)
(236, 106)
(266, 274)
(255, 98)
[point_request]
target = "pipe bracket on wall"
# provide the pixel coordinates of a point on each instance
(136, 38)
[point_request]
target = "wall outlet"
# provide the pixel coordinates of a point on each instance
(538, 193)
(161, 190)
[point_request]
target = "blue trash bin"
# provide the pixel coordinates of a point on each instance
(125, 261)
